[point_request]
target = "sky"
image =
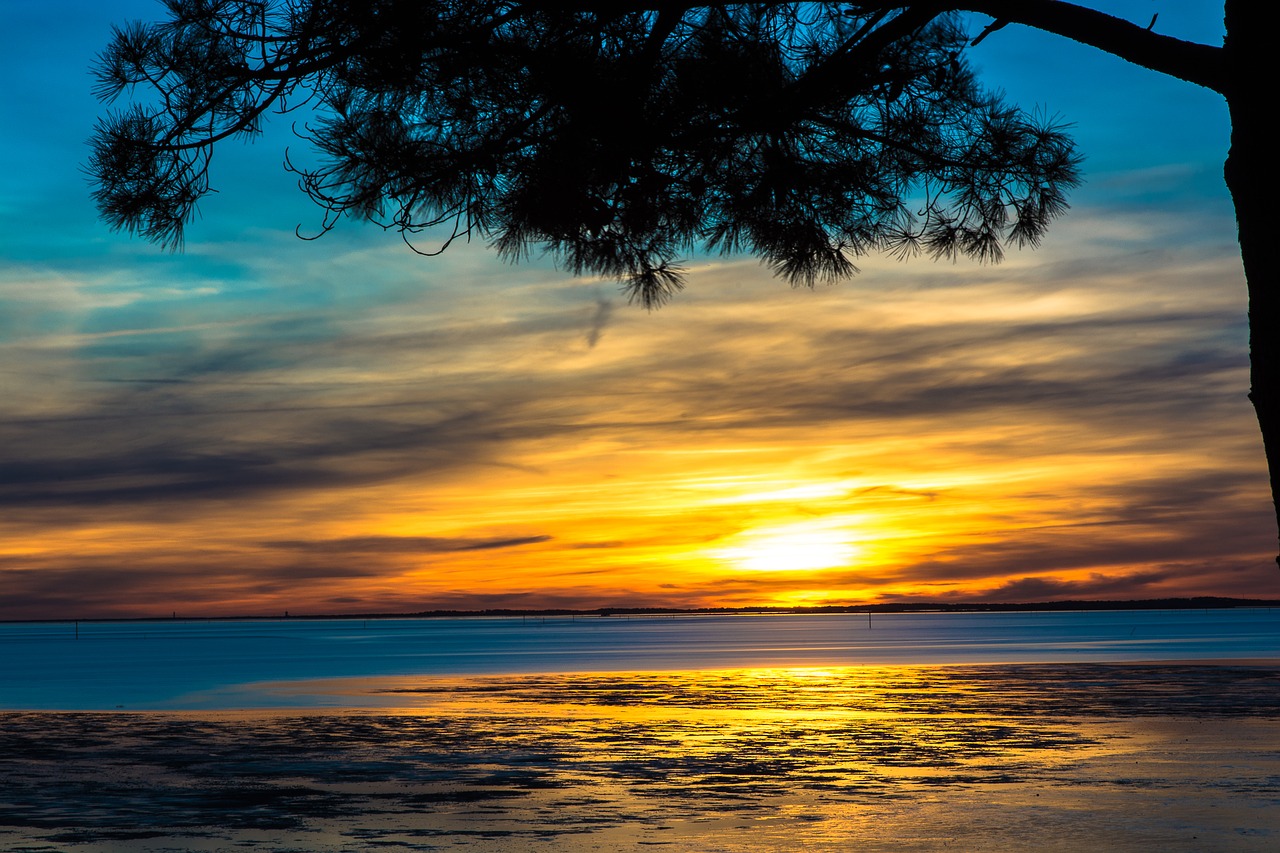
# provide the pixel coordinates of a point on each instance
(260, 424)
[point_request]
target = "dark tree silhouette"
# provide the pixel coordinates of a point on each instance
(619, 136)
(617, 140)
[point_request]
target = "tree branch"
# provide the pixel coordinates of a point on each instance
(1201, 64)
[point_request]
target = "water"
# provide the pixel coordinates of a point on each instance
(262, 663)
(736, 734)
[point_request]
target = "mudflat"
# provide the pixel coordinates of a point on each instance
(1065, 757)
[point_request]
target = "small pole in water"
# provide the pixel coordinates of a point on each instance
(77, 629)
(868, 619)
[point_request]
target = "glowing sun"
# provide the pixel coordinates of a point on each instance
(805, 546)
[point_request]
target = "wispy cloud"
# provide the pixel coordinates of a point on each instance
(403, 544)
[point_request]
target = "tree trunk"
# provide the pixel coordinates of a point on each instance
(1249, 167)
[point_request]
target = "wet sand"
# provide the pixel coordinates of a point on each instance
(1045, 757)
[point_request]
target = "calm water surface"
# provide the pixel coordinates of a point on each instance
(728, 734)
(264, 663)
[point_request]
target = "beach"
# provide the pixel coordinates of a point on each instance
(1044, 756)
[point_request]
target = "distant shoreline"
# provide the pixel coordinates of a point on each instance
(1196, 603)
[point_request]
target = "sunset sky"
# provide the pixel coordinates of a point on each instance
(260, 424)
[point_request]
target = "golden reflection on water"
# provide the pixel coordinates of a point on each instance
(1046, 757)
(756, 731)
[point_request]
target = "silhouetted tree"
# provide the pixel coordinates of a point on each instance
(618, 136)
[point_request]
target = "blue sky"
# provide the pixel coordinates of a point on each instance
(259, 424)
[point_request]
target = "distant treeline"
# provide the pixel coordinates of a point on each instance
(1198, 603)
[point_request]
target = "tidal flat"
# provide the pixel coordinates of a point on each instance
(1066, 757)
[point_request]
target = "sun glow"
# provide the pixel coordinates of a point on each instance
(804, 546)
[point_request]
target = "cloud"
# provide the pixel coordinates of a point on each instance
(1028, 589)
(600, 319)
(202, 453)
(404, 544)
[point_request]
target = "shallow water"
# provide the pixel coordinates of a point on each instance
(279, 663)
(1056, 757)
(1008, 732)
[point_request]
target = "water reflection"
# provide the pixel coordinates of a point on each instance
(758, 759)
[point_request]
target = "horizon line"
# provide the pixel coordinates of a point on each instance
(1172, 603)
